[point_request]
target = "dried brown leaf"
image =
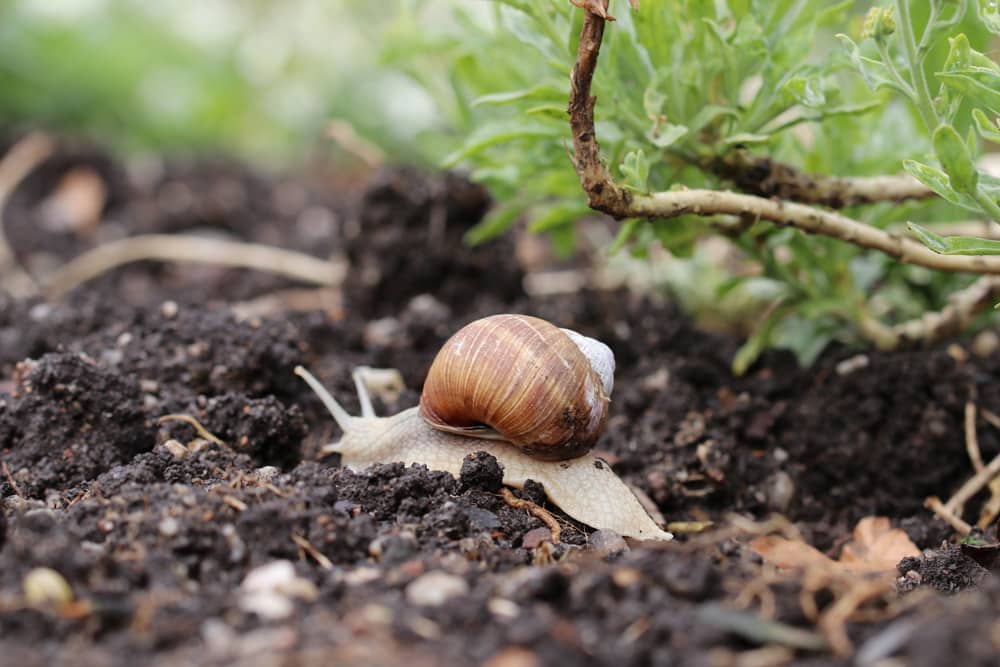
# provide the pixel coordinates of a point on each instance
(876, 547)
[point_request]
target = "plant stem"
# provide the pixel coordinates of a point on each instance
(990, 207)
(925, 104)
(883, 51)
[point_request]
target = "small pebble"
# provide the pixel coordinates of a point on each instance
(44, 586)
(985, 344)
(536, 536)
(607, 543)
(169, 526)
(483, 520)
(176, 449)
(779, 490)
(169, 309)
(514, 656)
(269, 590)
(433, 589)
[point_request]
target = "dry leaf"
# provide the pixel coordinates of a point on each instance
(876, 548)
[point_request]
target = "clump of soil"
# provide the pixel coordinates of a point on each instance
(163, 532)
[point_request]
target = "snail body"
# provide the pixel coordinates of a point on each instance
(440, 434)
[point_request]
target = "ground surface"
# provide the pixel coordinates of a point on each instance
(155, 531)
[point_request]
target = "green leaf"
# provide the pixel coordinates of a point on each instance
(534, 92)
(954, 245)
(987, 130)
(494, 224)
(498, 133)
(625, 234)
(954, 156)
(635, 169)
(666, 134)
(982, 84)
(806, 91)
(759, 340)
(874, 73)
(989, 13)
(558, 215)
(937, 181)
(746, 139)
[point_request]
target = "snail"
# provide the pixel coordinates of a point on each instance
(517, 387)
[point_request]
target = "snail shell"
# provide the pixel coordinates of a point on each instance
(523, 380)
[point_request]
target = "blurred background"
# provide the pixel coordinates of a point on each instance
(477, 84)
(252, 78)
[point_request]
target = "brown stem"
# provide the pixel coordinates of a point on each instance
(763, 176)
(602, 193)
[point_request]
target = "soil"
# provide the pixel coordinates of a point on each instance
(162, 535)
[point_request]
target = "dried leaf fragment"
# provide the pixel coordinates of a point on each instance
(876, 547)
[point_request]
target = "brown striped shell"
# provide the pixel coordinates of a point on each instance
(521, 379)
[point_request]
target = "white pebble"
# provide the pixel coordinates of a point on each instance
(435, 588)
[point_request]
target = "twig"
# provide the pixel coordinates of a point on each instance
(10, 480)
(805, 218)
(179, 248)
(933, 503)
(971, 440)
(992, 418)
(15, 166)
(833, 621)
(202, 431)
(535, 511)
(317, 556)
(974, 485)
(763, 176)
(963, 305)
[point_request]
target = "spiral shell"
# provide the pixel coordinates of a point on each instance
(521, 379)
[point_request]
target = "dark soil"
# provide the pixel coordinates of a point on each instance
(156, 529)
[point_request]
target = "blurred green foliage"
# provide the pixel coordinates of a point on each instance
(252, 77)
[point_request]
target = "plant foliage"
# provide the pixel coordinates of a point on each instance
(820, 85)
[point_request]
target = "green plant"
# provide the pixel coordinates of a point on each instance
(694, 98)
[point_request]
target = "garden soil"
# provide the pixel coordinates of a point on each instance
(127, 538)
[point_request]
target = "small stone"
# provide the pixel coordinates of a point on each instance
(169, 309)
(779, 490)
(176, 449)
(269, 590)
(44, 586)
(433, 589)
(169, 527)
(483, 520)
(503, 608)
(360, 576)
(607, 543)
(481, 470)
(535, 537)
(851, 364)
(514, 656)
(985, 344)
(266, 474)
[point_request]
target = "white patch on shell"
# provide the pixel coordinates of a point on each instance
(600, 356)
